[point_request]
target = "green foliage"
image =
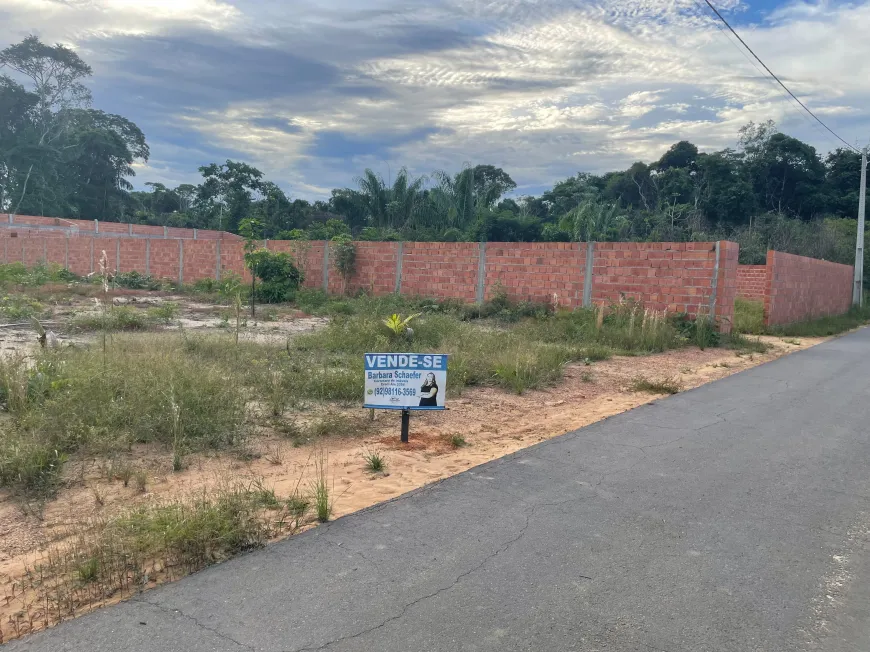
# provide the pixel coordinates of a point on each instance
(458, 441)
(145, 389)
(19, 307)
(279, 277)
(165, 313)
(663, 386)
(748, 316)
(397, 325)
(136, 281)
(344, 257)
(375, 461)
(120, 318)
(825, 326)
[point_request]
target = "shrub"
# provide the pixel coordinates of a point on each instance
(136, 281)
(279, 277)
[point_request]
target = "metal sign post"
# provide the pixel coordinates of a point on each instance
(406, 425)
(406, 382)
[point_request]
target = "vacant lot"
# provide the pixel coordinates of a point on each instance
(163, 429)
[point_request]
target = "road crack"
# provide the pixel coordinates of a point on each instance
(503, 548)
(194, 620)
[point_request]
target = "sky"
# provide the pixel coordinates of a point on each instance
(313, 92)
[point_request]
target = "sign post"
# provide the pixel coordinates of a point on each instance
(405, 381)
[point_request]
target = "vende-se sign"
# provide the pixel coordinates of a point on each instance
(405, 381)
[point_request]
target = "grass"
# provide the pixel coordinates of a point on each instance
(375, 462)
(663, 386)
(748, 316)
(121, 318)
(458, 441)
(138, 390)
(825, 326)
(749, 319)
(114, 557)
(320, 489)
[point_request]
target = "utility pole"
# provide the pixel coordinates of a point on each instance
(858, 288)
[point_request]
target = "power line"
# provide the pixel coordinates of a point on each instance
(788, 103)
(770, 72)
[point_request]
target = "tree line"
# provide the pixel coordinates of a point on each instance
(61, 157)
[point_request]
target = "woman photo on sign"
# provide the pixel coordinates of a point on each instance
(429, 392)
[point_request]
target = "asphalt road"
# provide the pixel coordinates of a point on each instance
(730, 517)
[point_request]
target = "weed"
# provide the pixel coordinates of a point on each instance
(121, 318)
(663, 386)
(587, 377)
(375, 462)
(89, 570)
(793, 342)
(458, 441)
(743, 345)
(298, 506)
(825, 326)
(165, 313)
(320, 488)
(99, 498)
(276, 458)
(748, 316)
(125, 474)
(140, 481)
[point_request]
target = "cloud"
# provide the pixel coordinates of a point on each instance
(313, 92)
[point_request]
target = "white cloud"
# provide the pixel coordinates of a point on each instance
(542, 88)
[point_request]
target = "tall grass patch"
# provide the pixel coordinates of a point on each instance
(748, 316)
(139, 389)
(106, 558)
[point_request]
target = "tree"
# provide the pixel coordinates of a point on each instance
(490, 183)
(679, 155)
(227, 192)
(394, 206)
(842, 180)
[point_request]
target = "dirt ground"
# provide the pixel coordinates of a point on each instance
(492, 422)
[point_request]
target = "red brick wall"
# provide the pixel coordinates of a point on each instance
(541, 272)
(752, 281)
(677, 276)
(800, 288)
(441, 270)
(673, 276)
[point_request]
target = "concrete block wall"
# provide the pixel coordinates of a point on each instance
(752, 282)
(800, 288)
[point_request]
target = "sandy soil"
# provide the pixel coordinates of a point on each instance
(492, 422)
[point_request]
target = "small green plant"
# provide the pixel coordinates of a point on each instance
(298, 506)
(397, 325)
(320, 488)
(793, 342)
(458, 441)
(89, 570)
(344, 257)
(587, 377)
(663, 386)
(375, 462)
(165, 313)
(140, 481)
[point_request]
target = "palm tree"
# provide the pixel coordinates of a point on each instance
(391, 207)
(593, 220)
(454, 198)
